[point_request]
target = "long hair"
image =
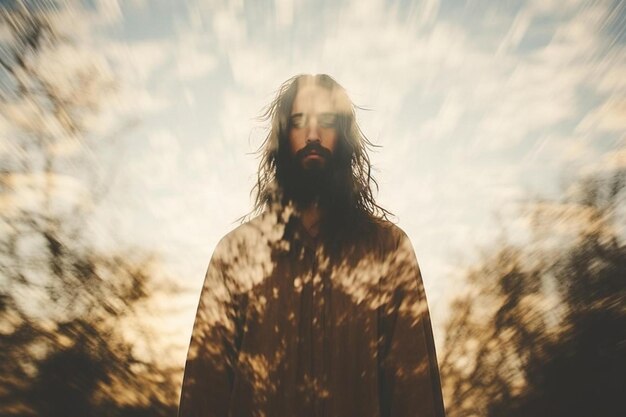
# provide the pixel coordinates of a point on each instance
(351, 152)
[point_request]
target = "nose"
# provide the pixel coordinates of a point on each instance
(312, 134)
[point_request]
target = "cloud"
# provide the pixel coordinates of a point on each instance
(592, 162)
(192, 56)
(516, 32)
(133, 66)
(109, 11)
(237, 121)
(469, 111)
(284, 12)
(428, 12)
(611, 76)
(386, 62)
(139, 101)
(615, 159)
(610, 117)
(446, 120)
(256, 69)
(229, 25)
(159, 167)
(26, 192)
(554, 7)
(136, 62)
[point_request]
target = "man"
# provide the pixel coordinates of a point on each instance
(316, 306)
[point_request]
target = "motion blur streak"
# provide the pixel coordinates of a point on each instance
(126, 129)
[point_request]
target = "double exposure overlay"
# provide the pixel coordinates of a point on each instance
(131, 135)
(285, 327)
(316, 306)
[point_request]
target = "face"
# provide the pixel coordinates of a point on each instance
(313, 133)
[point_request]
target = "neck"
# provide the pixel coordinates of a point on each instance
(310, 217)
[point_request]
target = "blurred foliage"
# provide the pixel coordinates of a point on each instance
(541, 331)
(70, 313)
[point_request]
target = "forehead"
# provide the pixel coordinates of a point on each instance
(312, 98)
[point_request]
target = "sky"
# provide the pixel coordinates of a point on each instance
(477, 105)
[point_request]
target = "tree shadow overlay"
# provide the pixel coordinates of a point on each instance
(287, 326)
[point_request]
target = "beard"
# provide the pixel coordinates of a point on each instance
(327, 182)
(306, 181)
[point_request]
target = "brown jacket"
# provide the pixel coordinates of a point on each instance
(287, 327)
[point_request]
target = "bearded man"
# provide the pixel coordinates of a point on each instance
(315, 307)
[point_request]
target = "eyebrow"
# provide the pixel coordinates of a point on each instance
(298, 117)
(326, 113)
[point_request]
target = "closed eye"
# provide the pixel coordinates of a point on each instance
(327, 119)
(297, 120)
(324, 120)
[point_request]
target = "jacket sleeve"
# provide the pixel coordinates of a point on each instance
(409, 383)
(209, 369)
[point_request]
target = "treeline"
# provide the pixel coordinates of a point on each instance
(67, 308)
(541, 330)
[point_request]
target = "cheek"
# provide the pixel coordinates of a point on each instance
(296, 141)
(330, 140)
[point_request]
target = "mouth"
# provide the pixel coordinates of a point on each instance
(312, 151)
(313, 154)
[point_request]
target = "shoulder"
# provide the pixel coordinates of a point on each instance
(390, 235)
(259, 232)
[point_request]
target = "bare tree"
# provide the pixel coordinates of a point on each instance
(542, 329)
(63, 303)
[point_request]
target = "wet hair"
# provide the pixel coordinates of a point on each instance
(351, 159)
